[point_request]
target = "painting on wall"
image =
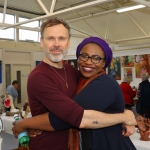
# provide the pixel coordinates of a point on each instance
(114, 70)
(142, 64)
(128, 73)
(127, 61)
(72, 62)
(37, 62)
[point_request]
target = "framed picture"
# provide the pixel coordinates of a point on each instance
(142, 64)
(72, 62)
(128, 73)
(127, 61)
(114, 69)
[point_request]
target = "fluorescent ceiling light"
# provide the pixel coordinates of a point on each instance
(130, 8)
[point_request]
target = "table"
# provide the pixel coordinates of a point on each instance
(7, 122)
(140, 145)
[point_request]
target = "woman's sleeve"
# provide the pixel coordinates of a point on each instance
(57, 123)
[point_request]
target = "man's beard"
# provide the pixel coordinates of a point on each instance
(55, 57)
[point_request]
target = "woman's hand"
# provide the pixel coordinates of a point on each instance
(128, 130)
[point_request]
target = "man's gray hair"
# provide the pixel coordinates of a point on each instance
(145, 76)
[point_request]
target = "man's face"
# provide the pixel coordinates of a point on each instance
(55, 42)
(16, 86)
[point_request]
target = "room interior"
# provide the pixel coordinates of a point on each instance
(127, 33)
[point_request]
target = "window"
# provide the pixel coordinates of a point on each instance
(8, 33)
(26, 34)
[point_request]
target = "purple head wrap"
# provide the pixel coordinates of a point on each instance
(103, 44)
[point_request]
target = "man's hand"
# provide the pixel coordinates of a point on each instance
(128, 130)
(18, 128)
(129, 118)
(33, 132)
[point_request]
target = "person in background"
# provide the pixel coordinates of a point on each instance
(128, 92)
(13, 89)
(51, 87)
(144, 95)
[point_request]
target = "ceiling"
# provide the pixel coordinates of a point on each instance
(90, 17)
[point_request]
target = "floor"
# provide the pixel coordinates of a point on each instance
(9, 141)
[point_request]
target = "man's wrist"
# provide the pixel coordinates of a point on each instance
(24, 124)
(123, 118)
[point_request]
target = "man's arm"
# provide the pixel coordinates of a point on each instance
(94, 119)
(91, 119)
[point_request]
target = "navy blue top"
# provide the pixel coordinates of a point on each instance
(102, 94)
(144, 96)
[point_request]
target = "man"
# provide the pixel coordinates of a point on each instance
(12, 89)
(51, 85)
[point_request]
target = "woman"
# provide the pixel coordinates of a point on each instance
(128, 92)
(100, 92)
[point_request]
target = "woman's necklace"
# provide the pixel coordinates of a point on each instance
(61, 76)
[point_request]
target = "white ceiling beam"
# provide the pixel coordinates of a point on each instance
(137, 24)
(88, 26)
(38, 30)
(4, 11)
(59, 12)
(52, 6)
(94, 14)
(43, 6)
(78, 36)
(146, 3)
(108, 23)
(81, 32)
(130, 39)
(20, 27)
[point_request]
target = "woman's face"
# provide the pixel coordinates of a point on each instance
(88, 68)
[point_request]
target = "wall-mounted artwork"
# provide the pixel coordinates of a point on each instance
(114, 69)
(127, 61)
(128, 73)
(72, 62)
(142, 64)
(37, 62)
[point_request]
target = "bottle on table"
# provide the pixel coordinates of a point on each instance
(23, 136)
